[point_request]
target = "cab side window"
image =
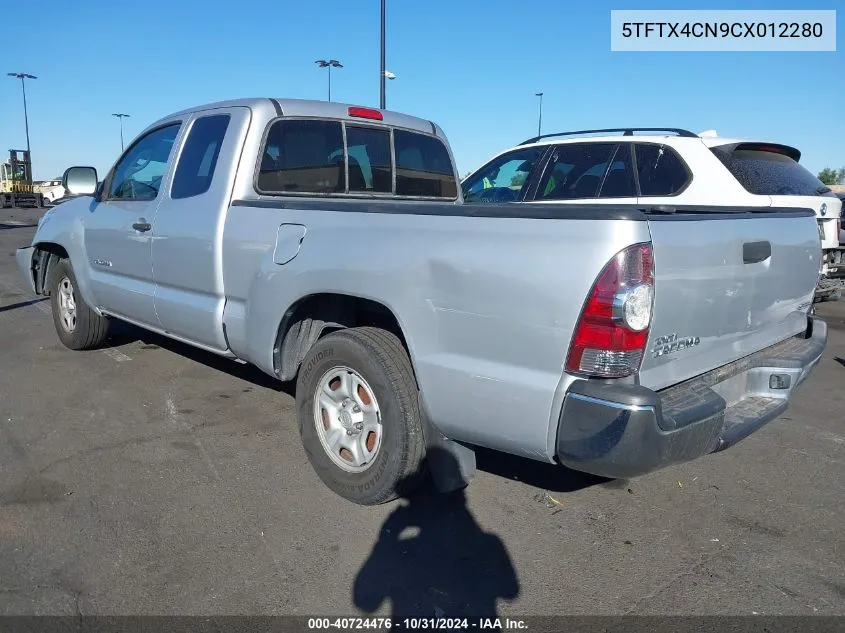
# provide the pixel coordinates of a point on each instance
(138, 175)
(504, 178)
(198, 159)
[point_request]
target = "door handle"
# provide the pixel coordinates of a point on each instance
(142, 225)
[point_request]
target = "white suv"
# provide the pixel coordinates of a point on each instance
(669, 167)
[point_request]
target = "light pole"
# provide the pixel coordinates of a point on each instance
(383, 73)
(121, 116)
(22, 77)
(329, 63)
(540, 122)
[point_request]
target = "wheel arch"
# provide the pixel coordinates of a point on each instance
(44, 258)
(315, 315)
(46, 254)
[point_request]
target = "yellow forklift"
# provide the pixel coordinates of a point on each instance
(16, 188)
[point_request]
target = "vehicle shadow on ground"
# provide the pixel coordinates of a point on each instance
(839, 360)
(432, 559)
(550, 477)
(543, 475)
(4, 226)
(122, 333)
(22, 304)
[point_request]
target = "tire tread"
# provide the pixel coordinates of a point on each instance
(388, 347)
(387, 350)
(91, 328)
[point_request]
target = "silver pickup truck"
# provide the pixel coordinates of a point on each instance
(330, 244)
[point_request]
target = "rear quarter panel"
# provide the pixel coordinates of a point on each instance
(487, 305)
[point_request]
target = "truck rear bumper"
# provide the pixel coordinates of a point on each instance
(621, 431)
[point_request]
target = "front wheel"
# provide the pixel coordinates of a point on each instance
(79, 327)
(359, 417)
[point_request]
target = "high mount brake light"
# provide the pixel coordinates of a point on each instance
(365, 113)
(612, 330)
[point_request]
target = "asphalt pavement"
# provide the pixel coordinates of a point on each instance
(152, 478)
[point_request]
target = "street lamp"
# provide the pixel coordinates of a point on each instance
(329, 63)
(22, 77)
(540, 122)
(386, 75)
(121, 116)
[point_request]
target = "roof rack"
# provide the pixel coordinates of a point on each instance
(627, 131)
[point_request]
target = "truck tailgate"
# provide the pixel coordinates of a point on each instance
(726, 285)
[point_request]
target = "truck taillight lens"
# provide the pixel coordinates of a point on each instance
(612, 330)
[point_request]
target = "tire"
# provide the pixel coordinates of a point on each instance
(378, 359)
(88, 329)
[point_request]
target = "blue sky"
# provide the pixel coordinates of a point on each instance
(472, 66)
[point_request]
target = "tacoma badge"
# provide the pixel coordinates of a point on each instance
(671, 343)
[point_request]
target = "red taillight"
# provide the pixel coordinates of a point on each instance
(612, 330)
(365, 113)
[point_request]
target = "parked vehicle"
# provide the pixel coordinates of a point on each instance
(70, 196)
(330, 244)
(672, 167)
(51, 190)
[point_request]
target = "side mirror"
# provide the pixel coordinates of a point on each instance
(80, 181)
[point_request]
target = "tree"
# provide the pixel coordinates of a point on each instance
(518, 179)
(832, 176)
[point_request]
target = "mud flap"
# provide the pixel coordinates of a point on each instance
(451, 465)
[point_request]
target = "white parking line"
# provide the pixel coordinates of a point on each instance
(44, 306)
(116, 354)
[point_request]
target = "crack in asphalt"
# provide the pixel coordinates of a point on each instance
(703, 558)
(175, 417)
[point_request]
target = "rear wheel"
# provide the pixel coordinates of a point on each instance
(78, 326)
(358, 414)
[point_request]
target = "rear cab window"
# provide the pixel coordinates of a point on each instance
(368, 155)
(339, 157)
(769, 170)
(303, 156)
(423, 167)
